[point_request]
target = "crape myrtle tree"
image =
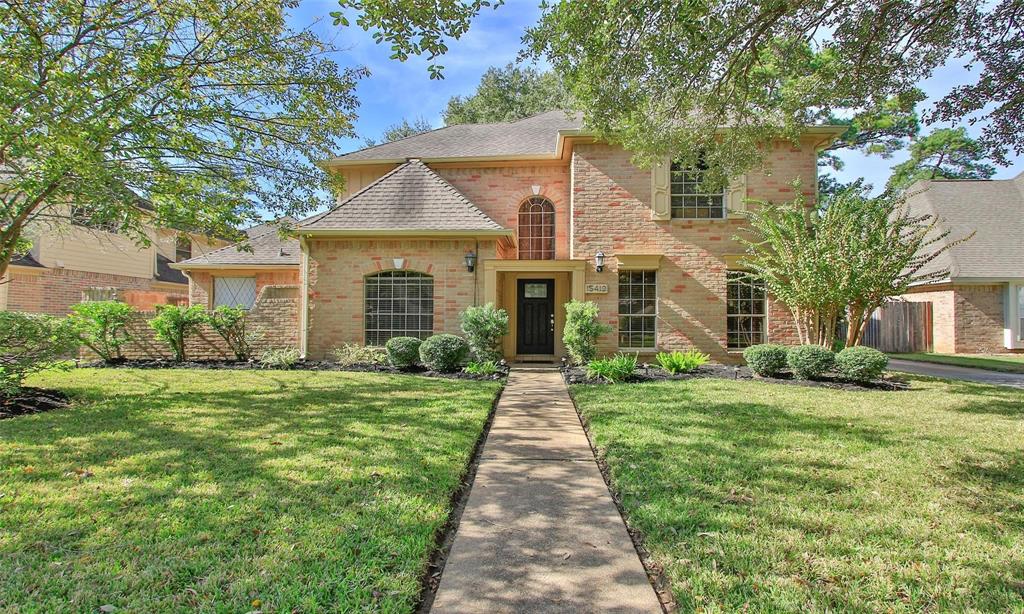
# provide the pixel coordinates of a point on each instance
(841, 260)
(208, 111)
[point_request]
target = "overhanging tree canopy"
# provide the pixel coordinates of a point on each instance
(210, 111)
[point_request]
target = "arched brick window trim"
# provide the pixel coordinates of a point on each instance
(537, 229)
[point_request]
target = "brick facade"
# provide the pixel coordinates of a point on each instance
(337, 268)
(966, 318)
(273, 318)
(201, 288)
(612, 214)
(54, 291)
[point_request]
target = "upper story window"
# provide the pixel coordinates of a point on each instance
(182, 249)
(398, 304)
(690, 198)
(537, 229)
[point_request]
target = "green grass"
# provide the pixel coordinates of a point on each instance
(1007, 363)
(231, 491)
(768, 498)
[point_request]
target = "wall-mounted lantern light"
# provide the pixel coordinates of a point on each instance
(470, 261)
(599, 261)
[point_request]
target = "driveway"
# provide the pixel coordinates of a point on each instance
(961, 373)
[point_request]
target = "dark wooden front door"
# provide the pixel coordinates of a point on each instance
(535, 326)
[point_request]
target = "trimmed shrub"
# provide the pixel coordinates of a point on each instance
(582, 329)
(861, 364)
(487, 367)
(618, 368)
(810, 361)
(102, 326)
(229, 322)
(31, 343)
(174, 323)
(766, 359)
(682, 362)
(282, 358)
(484, 326)
(444, 353)
(403, 352)
(355, 354)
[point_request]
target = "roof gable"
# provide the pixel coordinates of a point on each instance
(412, 197)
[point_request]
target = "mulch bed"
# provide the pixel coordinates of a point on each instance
(648, 373)
(302, 365)
(31, 401)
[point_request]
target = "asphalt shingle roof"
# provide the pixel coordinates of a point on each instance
(268, 248)
(535, 135)
(994, 209)
(410, 197)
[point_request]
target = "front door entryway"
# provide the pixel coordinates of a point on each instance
(535, 328)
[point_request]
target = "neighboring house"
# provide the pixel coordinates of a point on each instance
(526, 215)
(85, 260)
(979, 306)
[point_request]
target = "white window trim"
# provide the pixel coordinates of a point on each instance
(661, 201)
(724, 193)
(657, 312)
(766, 316)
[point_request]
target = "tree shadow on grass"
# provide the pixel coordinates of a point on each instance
(311, 492)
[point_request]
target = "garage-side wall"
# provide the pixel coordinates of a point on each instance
(979, 319)
(337, 268)
(943, 316)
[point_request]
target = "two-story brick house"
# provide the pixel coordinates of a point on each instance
(526, 215)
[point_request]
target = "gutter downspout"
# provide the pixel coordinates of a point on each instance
(303, 295)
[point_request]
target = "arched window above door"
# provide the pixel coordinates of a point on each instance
(537, 229)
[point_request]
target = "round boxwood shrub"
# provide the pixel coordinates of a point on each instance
(810, 361)
(861, 364)
(767, 359)
(444, 353)
(403, 352)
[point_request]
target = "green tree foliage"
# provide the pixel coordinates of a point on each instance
(661, 77)
(231, 324)
(402, 130)
(209, 111)
(946, 153)
(507, 94)
(414, 28)
(173, 325)
(30, 343)
(842, 260)
(102, 326)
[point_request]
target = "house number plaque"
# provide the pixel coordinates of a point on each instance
(596, 289)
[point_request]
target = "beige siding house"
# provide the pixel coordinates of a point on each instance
(526, 215)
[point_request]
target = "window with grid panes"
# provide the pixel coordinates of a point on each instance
(690, 198)
(537, 229)
(746, 310)
(398, 304)
(638, 307)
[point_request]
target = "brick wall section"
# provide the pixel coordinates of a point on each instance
(274, 317)
(979, 319)
(337, 268)
(499, 191)
(201, 288)
(611, 213)
(54, 291)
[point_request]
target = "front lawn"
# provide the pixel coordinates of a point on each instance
(1007, 363)
(781, 498)
(170, 490)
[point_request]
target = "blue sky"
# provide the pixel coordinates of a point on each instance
(397, 90)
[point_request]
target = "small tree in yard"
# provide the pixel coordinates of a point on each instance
(174, 323)
(30, 343)
(102, 326)
(844, 259)
(582, 328)
(484, 326)
(230, 323)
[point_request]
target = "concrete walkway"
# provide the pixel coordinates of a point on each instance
(953, 372)
(540, 532)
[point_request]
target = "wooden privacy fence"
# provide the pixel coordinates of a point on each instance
(900, 327)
